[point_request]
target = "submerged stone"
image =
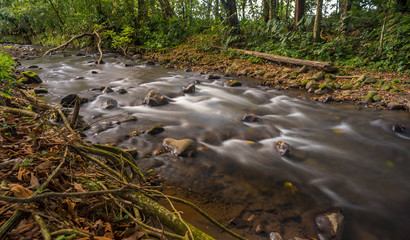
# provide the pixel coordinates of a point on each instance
(212, 77)
(154, 130)
(251, 118)
(122, 91)
(110, 104)
(233, 83)
(107, 90)
(329, 225)
(183, 147)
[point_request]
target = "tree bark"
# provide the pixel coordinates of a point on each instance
(346, 6)
(318, 20)
(299, 12)
(265, 11)
(166, 9)
(384, 26)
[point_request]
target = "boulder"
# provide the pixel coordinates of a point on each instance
(154, 130)
(251, 118)
(303, 69)
(183, 147)
(33, 66)
(31, 77)
(283, 148)
(398, 128)
(69, 100)
(329, 225)
(319, 76)
(110, 104)
(212, 77)
(395, 106)
(370, 80)
(189, 89)
(122, 91)
(346, 86)
(311, 85)
(233, 83)
(107, 90)
(154, 98)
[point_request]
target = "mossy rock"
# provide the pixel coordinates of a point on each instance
(362, 78)
(386, 87)
(322, 86)
(373, 92)
(270, 75)
(233, 83)
(368, 97)
(311, 84)
(370, 80)
(287, 70)
(319, 76)
(293, 76)
(330, 85)
(32, 77)
(260, 72)
(356, 86)
(330, 76)
(304, 82)
(155, 130)
(23, 80)
(346, 86)
(377, 98)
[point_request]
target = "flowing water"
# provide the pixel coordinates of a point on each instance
(342, 157)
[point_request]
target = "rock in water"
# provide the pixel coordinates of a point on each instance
(122, 91)
(31, 77)
(275, 236)
(233, 83)
(251, 118)
(283, 148)
(329, 225)
(110, 104)
(107, 90)
(212, 77)
(183, 147)
(189, 89)
(154, 98)
(69, 100)
(154, 130)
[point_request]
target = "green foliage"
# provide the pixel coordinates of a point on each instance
(121, 40)
(6, 67)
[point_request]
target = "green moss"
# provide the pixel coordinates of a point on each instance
(304, 82)
(386, 87)
(347, 86)
(321, 86)
(377, 98)
(233, 83)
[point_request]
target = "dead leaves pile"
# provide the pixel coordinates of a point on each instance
(30, 150)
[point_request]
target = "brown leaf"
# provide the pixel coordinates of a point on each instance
(23, 174)
(44, 165)
(34, 183)
(108, 231)
(20, 191)
(135, 236)
(78, 187)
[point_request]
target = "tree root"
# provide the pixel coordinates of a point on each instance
(19, 111)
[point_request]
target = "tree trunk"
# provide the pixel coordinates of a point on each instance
(287, 10)
(232, 16)
(58, 15)
(272, 9)
(217, 16)
(265, 11)
(384, 26)
(142, 11)
(299, 11)
(318, 20)
(167, 11)
(346, 6)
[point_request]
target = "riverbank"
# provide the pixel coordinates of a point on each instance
(365, 88)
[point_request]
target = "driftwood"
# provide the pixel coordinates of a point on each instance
(64, 45)
(327, 66)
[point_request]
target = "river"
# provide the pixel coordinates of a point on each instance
(342, 157)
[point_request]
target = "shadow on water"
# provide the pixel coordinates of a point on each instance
(341, 157)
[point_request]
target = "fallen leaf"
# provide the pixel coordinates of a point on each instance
(108, 231)
(34, 183)
(78, 187)
(20, 191)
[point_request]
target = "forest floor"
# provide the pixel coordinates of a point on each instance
(364, 87)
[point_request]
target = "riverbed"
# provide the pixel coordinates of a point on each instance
(342, 157)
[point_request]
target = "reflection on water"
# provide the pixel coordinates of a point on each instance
(353, 157)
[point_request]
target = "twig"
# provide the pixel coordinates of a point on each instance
(74, 116)
(99, 46)
(60, 195)
(105, 167)
(43, 227)
(69, 232)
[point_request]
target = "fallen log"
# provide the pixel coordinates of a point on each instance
(326, 66)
